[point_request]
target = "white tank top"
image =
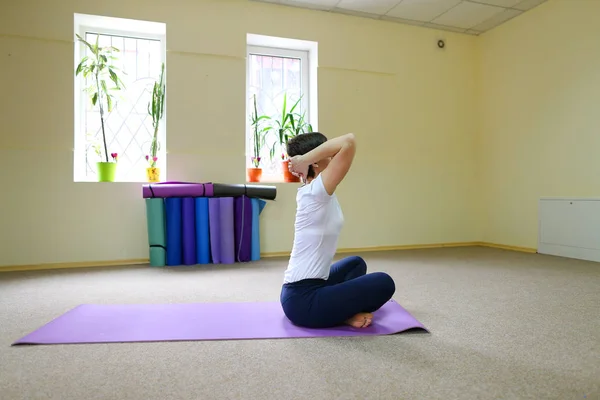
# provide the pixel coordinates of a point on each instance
(319, 220)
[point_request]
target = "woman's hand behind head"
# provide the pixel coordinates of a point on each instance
(298, 167)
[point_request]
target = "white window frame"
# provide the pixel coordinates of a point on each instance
(285, 53)
(307, 52)
(120, 27)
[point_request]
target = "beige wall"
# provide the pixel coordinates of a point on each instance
(540, 99)
(410, 105)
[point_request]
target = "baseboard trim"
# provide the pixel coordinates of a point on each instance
(87, 264)
(141, 261)
(508, 247)
(381, 248)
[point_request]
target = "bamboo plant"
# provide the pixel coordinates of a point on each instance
(259, 133)
(100, 69)
(156, 109)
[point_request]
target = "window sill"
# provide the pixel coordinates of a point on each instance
(271, 178)
(277, 180)
(95, 181)
(121, 178)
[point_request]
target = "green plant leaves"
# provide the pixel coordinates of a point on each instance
(87, 44)
(109, 102)
(289, 125)
(259, 136)
(81, 65)
(156, 107)
(96, 67)
(114, 77)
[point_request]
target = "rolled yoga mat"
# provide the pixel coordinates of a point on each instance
(202, 231)
(243, 228)
(226, 220)
(214, 215)
(188, 213)
(157, 238)
(178, 322)
(174, 230)
(231, 190)
(190, 189)
(257, 207)
(177, 189)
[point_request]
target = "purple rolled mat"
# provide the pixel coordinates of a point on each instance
(226, 220)
(243, 228)
(189, 230)
(177, 189)
(214, 223)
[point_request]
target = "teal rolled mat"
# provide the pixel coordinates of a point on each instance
(157, 238)
(257, 207)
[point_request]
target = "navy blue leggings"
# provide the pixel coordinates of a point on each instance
(318, 303)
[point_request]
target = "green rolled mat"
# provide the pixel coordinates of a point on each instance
(157, 238)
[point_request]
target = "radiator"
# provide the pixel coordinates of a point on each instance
(569, 228)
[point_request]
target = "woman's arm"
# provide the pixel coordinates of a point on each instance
(341, 150)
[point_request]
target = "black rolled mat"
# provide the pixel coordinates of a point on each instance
(233, 190)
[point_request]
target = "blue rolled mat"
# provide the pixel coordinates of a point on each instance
(188, 215)
(174, 230)
(214, 215)
(243, 228)
(202, 231)
(226, 220)
(257, 207)
(155, 218)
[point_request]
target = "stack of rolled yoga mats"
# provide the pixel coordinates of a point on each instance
(204, 223)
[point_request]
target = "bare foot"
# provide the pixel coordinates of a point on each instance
(360, 320)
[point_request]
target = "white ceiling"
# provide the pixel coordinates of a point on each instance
(465, 16)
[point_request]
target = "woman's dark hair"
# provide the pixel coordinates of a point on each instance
(303, 143)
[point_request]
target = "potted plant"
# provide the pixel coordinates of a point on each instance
(291, 124)
(298, 126)
(98, 68)
(156, 109)
(254, 174)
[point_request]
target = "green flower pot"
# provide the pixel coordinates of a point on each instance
(106, 171)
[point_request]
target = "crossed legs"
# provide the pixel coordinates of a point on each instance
(351, 295)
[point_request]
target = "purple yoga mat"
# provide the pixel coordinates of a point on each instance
(243, 228)
(222, 239)
(227, 231)
(177, 189)
(92, 323)
(188, 214)
(214, 223)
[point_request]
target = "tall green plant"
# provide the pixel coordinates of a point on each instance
(299, 125)
(290, 124)
(259, 133)
(156, 109)
(100, 70)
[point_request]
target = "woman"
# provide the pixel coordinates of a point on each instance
(315, 293)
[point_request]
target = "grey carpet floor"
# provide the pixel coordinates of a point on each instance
(504, 325)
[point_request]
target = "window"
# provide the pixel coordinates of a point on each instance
(278, 70)
(128, 127)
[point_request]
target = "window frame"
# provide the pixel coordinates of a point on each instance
(305, 84)
(80, 100)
